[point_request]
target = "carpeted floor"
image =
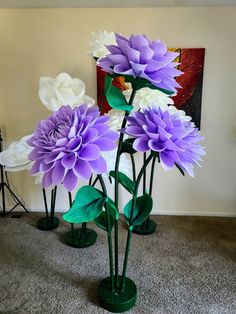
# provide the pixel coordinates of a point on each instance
(188, 266)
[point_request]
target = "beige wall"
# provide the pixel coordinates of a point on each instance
(44, 42)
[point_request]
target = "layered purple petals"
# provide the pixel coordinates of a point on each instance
(174, 138)
(140, 57)
(68, 146)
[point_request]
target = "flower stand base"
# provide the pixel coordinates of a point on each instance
(146, 228)
(77, 239)
(48, 223)
(117, 301)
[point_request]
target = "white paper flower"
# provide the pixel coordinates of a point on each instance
(116, 118)
(15, 157)
(124, 166)
(99, 41)
(181, 113)
(62, 90)
(145, 97)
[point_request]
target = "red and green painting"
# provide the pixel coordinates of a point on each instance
(188, 98)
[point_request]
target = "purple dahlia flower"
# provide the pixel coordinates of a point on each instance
(68, 145)
(174, 138)
(140, 57)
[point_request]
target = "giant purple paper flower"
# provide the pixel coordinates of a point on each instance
(174, 138)
(140, 57)
(68, 145)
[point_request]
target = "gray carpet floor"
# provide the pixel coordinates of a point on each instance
(188, 266)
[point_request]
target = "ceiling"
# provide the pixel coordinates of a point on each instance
(110, 3)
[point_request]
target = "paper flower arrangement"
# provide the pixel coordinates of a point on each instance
(78, 142)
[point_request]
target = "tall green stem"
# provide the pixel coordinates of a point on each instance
(133, 167)
(152, 175)
(70, 204)
(129, 235)
(109, 237)
(45, 202)
(84, 224)
(144, 173)
(116, 196)
(53, 202)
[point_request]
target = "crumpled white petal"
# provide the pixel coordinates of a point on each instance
(181, 113)
(146, 97)
(63, 90)
(97, 47)
(124, 166)
(116, 118)
(15, 157)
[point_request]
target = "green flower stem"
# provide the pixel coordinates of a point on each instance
(95, 181)
(109, 235)
(144, 173)
(70, 204)
(116, 196)
(152, 175)
(83, 229)
(84, 224)
(129, 235)
(53, 202)
(45, 202)
(133, 167)
(151, 184)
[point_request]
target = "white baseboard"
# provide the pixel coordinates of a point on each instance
(207, 214)
(173, 213)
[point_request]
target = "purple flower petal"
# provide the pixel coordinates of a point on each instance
(105, 144)
(69, 160)
(89, 135)
(167, 160)
(58, 173)
(82, 169)
(47, 179)
(90, 152)
(70, 181)
(99, 165)
(141, 144)
(75, 143)
(156, 145)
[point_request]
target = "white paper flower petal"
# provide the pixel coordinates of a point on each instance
(99, 41)
(15, 157)
(62, 90)
(116, 118)
(110, 158)
(146, 97)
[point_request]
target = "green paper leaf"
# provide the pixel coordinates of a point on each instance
(114, 96)
(101, 220)
(125, 181)
(142, 209)
(86, 207)
(127, 146)
(180, 169)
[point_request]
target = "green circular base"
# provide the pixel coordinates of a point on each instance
(117, 301)
(145, 228)
(47, 224)
(75, 239)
